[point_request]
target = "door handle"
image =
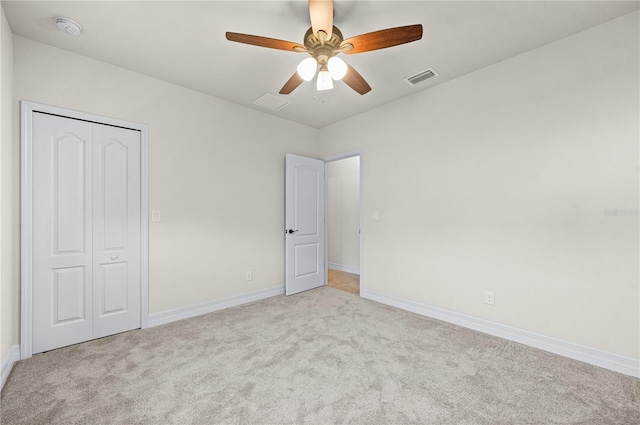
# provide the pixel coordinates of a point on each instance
(291, 231)
(114, 257)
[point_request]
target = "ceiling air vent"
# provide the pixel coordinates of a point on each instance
(271, 102)
(421, 76)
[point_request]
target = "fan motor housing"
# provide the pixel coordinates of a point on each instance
(323, 52)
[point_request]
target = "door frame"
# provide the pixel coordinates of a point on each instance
(27, 110)
(359, 152)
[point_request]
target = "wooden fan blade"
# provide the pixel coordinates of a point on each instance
(321, 14)
(271, 43)
(354, 80)
(383, 39)
(292, 84)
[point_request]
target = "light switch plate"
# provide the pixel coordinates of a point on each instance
(155, 215)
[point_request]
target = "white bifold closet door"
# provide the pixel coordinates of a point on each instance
(86, 231)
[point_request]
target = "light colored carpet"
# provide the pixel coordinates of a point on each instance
(320, 357)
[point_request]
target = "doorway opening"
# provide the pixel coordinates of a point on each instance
(343, 174)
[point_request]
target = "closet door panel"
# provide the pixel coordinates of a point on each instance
(116, 229)
(62, 232)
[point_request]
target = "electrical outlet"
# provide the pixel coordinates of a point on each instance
(489, 297)
(248, 275)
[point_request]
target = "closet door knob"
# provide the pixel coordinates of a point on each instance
(114, 257)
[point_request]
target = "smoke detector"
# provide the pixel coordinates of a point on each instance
(68, 25)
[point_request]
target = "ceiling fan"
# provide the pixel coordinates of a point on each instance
(324, 42)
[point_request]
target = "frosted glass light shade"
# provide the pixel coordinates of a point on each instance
(324, 81)
(337, 68)
(307, 69)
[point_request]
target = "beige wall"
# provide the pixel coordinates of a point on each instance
(498, 180)
(502, 180)
(216, 172)
(343, 212)
(9, 200)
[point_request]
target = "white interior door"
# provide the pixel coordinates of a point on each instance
(116, 230)
(304, 221)
(62, 232)
(86, 231)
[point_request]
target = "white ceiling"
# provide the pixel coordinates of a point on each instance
(184, 42)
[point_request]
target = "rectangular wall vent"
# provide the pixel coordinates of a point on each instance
(421, 76)
(271, 102)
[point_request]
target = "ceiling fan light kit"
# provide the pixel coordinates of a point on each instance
(325, 82)
(307, 69)
(337, 68)
(323, 42)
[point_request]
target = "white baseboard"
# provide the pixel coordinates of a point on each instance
(343, 268)
(7, 363)
(169, 316)
(594, 356)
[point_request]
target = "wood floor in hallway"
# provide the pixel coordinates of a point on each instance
(344, 281)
